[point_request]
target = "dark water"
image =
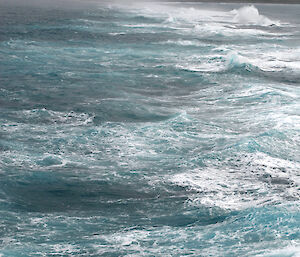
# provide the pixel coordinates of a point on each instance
(149, 130)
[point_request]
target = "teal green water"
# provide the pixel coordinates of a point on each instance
(164, 129)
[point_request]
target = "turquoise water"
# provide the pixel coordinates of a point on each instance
(164, 129)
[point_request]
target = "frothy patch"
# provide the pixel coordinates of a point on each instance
(46, 116)
(64, 249)
(117, 33)
(183, 42)
(243, 182)
(291, 251)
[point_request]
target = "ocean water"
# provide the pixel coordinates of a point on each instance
(166, 129)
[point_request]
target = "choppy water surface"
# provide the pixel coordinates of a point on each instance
(150, 129)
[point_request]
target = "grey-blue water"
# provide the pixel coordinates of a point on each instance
(149, 130)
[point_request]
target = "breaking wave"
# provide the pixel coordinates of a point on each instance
(250, 15)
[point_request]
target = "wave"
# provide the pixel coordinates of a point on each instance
(232, 61)
(189, 15)
(268, 66)
(230, 30)
(280, 64)
(250, 15)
